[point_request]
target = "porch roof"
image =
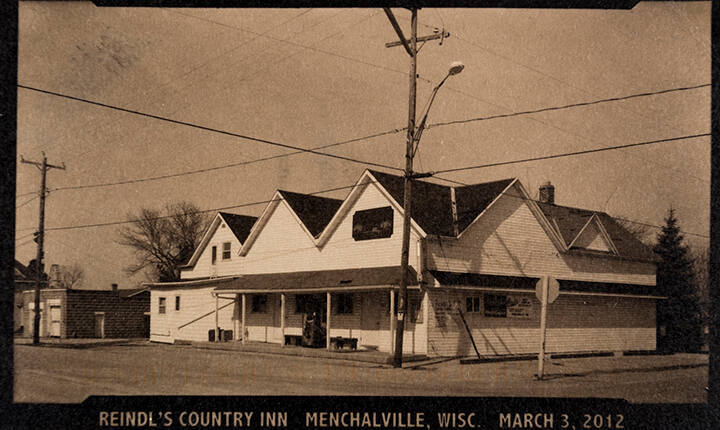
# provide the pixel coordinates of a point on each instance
(366, 278)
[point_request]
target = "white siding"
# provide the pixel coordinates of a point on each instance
(204, 267)
(592, 239)
(508, 240)
(575, 324)
(283, 245)
(197, 306)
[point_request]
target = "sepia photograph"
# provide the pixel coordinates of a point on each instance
(399, 201)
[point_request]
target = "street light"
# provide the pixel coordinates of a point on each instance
(455, 68)
(413, 140)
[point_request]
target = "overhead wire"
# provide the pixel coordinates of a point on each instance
(367, 137)
(206, 128)
(568, 154)
(685, 173)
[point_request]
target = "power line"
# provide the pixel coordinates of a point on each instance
(27, 201)
(225, 166)
(568, 154)
(660, 226)
(104, 224)
(202, 127)
(568, 106)
(312, 193)
(384, 133)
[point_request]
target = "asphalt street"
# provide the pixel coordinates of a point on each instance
(65, 375)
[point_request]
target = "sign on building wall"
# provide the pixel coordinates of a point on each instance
(519, 307)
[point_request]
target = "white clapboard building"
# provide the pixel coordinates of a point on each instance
(477, 253)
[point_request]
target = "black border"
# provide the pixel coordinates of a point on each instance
(85, 414)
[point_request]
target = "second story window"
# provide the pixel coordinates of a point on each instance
(161, 305)
(226, 251)
(177, 303)
(373, 223)
(214, 255)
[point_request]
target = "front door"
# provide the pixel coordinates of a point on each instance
(55, 321)
(370, 317)
(100, 325)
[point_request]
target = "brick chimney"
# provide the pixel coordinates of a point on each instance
(547, 193)
(114, 288)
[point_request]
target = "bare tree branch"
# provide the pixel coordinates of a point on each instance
(163, 242)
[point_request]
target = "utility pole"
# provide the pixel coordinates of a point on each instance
(44, 167)
(411, 48)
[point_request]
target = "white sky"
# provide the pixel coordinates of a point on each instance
(310, 77)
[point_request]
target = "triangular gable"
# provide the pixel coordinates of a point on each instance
(366, 179)
(545, 224)
(305, 212)
(212, 228)
(593, 236)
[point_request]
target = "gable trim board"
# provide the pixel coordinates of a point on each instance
(366, 179)
(214, 224)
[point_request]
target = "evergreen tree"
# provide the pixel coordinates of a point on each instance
(680, 313)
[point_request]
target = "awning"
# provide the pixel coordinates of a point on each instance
(365, 279)
(523, 284)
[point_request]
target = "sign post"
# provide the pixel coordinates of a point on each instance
(546, 290)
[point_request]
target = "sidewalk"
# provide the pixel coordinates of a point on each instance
(366, 356)
(73, 343)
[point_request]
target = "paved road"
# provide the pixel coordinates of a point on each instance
(48, 374)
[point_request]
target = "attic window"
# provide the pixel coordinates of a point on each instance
(226, 251)
(222, 225)
(373, 223)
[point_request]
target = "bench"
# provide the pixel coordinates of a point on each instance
(339, 342)
(293, 339)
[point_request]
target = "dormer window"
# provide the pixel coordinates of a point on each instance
(373, 223)
(226, 251)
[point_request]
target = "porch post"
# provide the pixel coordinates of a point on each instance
(392, 320)
(282, 319)
(242, 318)
(236, 322)
(327, 320)
(217, 326)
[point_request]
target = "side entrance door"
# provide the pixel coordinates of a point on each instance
(100, 325)
(55, 321)
(371, 313)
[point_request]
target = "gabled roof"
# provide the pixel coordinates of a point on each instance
(239, 224)
(432, 203)
(569, 223)
(314, 212)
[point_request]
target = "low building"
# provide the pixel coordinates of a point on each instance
(24, 280)
(476, 253)
(72, 313)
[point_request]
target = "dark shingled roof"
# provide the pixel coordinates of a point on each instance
(315, 212)
(239, 224)
(432, 205)
(569, 221)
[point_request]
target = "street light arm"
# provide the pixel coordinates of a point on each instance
(421, 127)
